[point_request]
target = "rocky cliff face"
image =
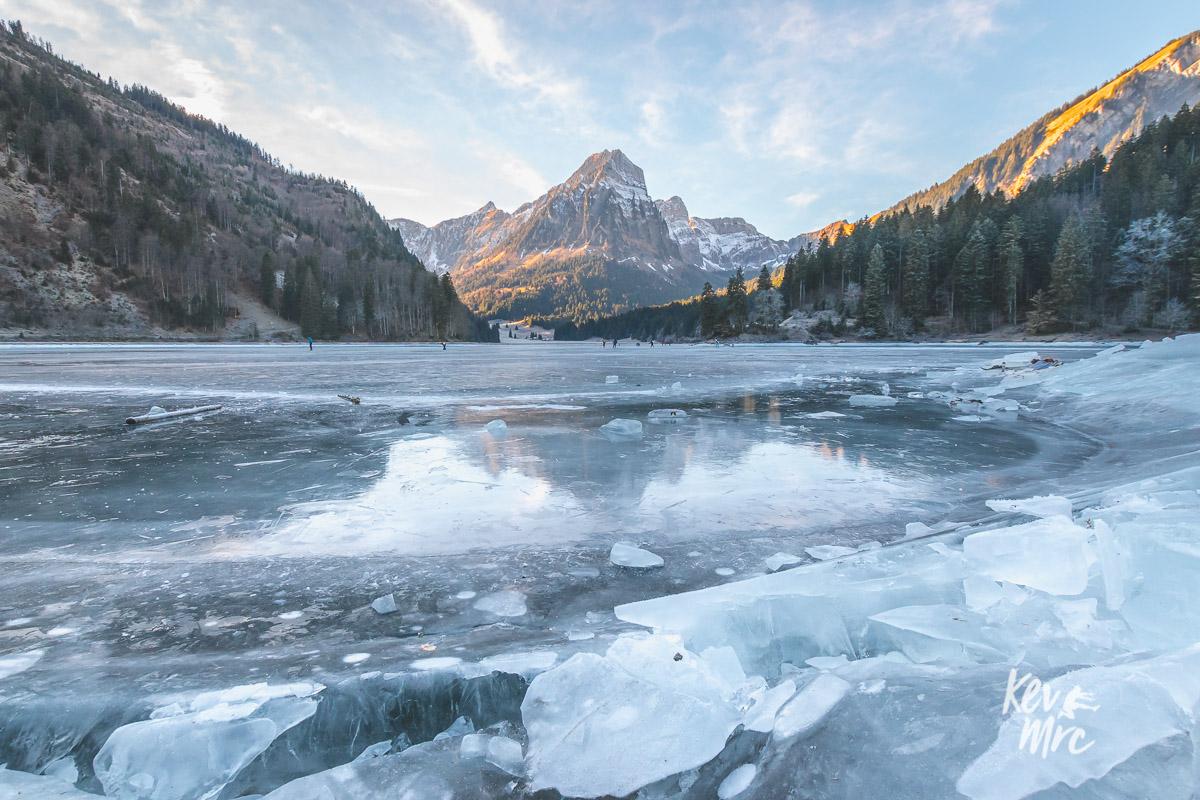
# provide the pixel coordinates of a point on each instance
(1101, 119)
(601, 216)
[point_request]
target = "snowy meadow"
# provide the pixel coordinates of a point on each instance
(565, 571)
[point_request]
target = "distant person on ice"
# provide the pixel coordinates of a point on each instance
(310, 343)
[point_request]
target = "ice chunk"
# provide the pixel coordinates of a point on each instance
(1112, 564)
(19, 662)
(460, 727)
(824, 552)
(824, 415)
(506, 754)
(1051, 555)
(505, 603)
(622, 429)
(970, 418)
(626, 554)
(827, 663)
(725, 572)
(761, 716)
(667, 415)
(474, 745)
(1050, 505)
(16, 785)
(496, 427)
(355, 658)
(385, 604)
(156, 759)
(872, 400)
(737, 781)
(435, 770)
(375, 750)
(65, 769)
(781, 560)
(938, 632)
(814, 702)
(608, 725)
(611, 379)
(1104, 715)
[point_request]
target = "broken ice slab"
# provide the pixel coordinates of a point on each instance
(438, 769)
(1087, 723)
(648, 709)
(1051, 555)
(780, 560)
(811, 705)
(16, 785)
(622, 429)
(667, 415)
(627, 554)
(505, 603)
(872, 400)
(155, 759)
(824, 552)
(496, 427)
(1040, 506)
(385, 604)
(818, 609)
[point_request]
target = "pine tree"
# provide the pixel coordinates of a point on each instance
(1042, 317)
(736, 301)
(710, 314)
(311, 311)
(266, 280)
(368, 306)
(787, 288)
(916, 277)
(1013, 266)
(764, 280)
(1070, 270)
(970, 277)
(448, 302)
(875, 288)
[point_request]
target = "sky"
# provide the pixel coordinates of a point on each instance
(789, 114)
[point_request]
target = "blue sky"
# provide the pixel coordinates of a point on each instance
(790, 114)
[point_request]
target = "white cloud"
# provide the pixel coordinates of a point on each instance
(501, 57)
(653, 126)
(802, 199)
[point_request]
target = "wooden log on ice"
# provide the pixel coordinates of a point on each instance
(159, 416)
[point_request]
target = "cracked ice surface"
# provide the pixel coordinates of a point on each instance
(146, 572)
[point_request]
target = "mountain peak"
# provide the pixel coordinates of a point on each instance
(612, 165)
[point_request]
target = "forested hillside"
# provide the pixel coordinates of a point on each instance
(1105, 244)
(122, 214)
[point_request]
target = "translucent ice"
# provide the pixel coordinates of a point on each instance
(761, 716)
(16, 785)
(505, 603)
(385, 604)
(608, 725)
(155, 759)
(824, 552)
(1051, 555)
(778, 561)
(667, 415)
(872, 400)
(496, 427)
(626, 554)
(814, 702)
(1041, 506)
(622, 429)
(1105, 716)
(612, 379)
(737, 781)
(506, 754)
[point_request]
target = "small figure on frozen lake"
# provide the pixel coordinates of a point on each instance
(310, 343)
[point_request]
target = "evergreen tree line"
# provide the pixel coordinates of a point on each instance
(182, 213)
(1105, 243)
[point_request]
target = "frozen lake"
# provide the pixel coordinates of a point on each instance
(247, 545)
